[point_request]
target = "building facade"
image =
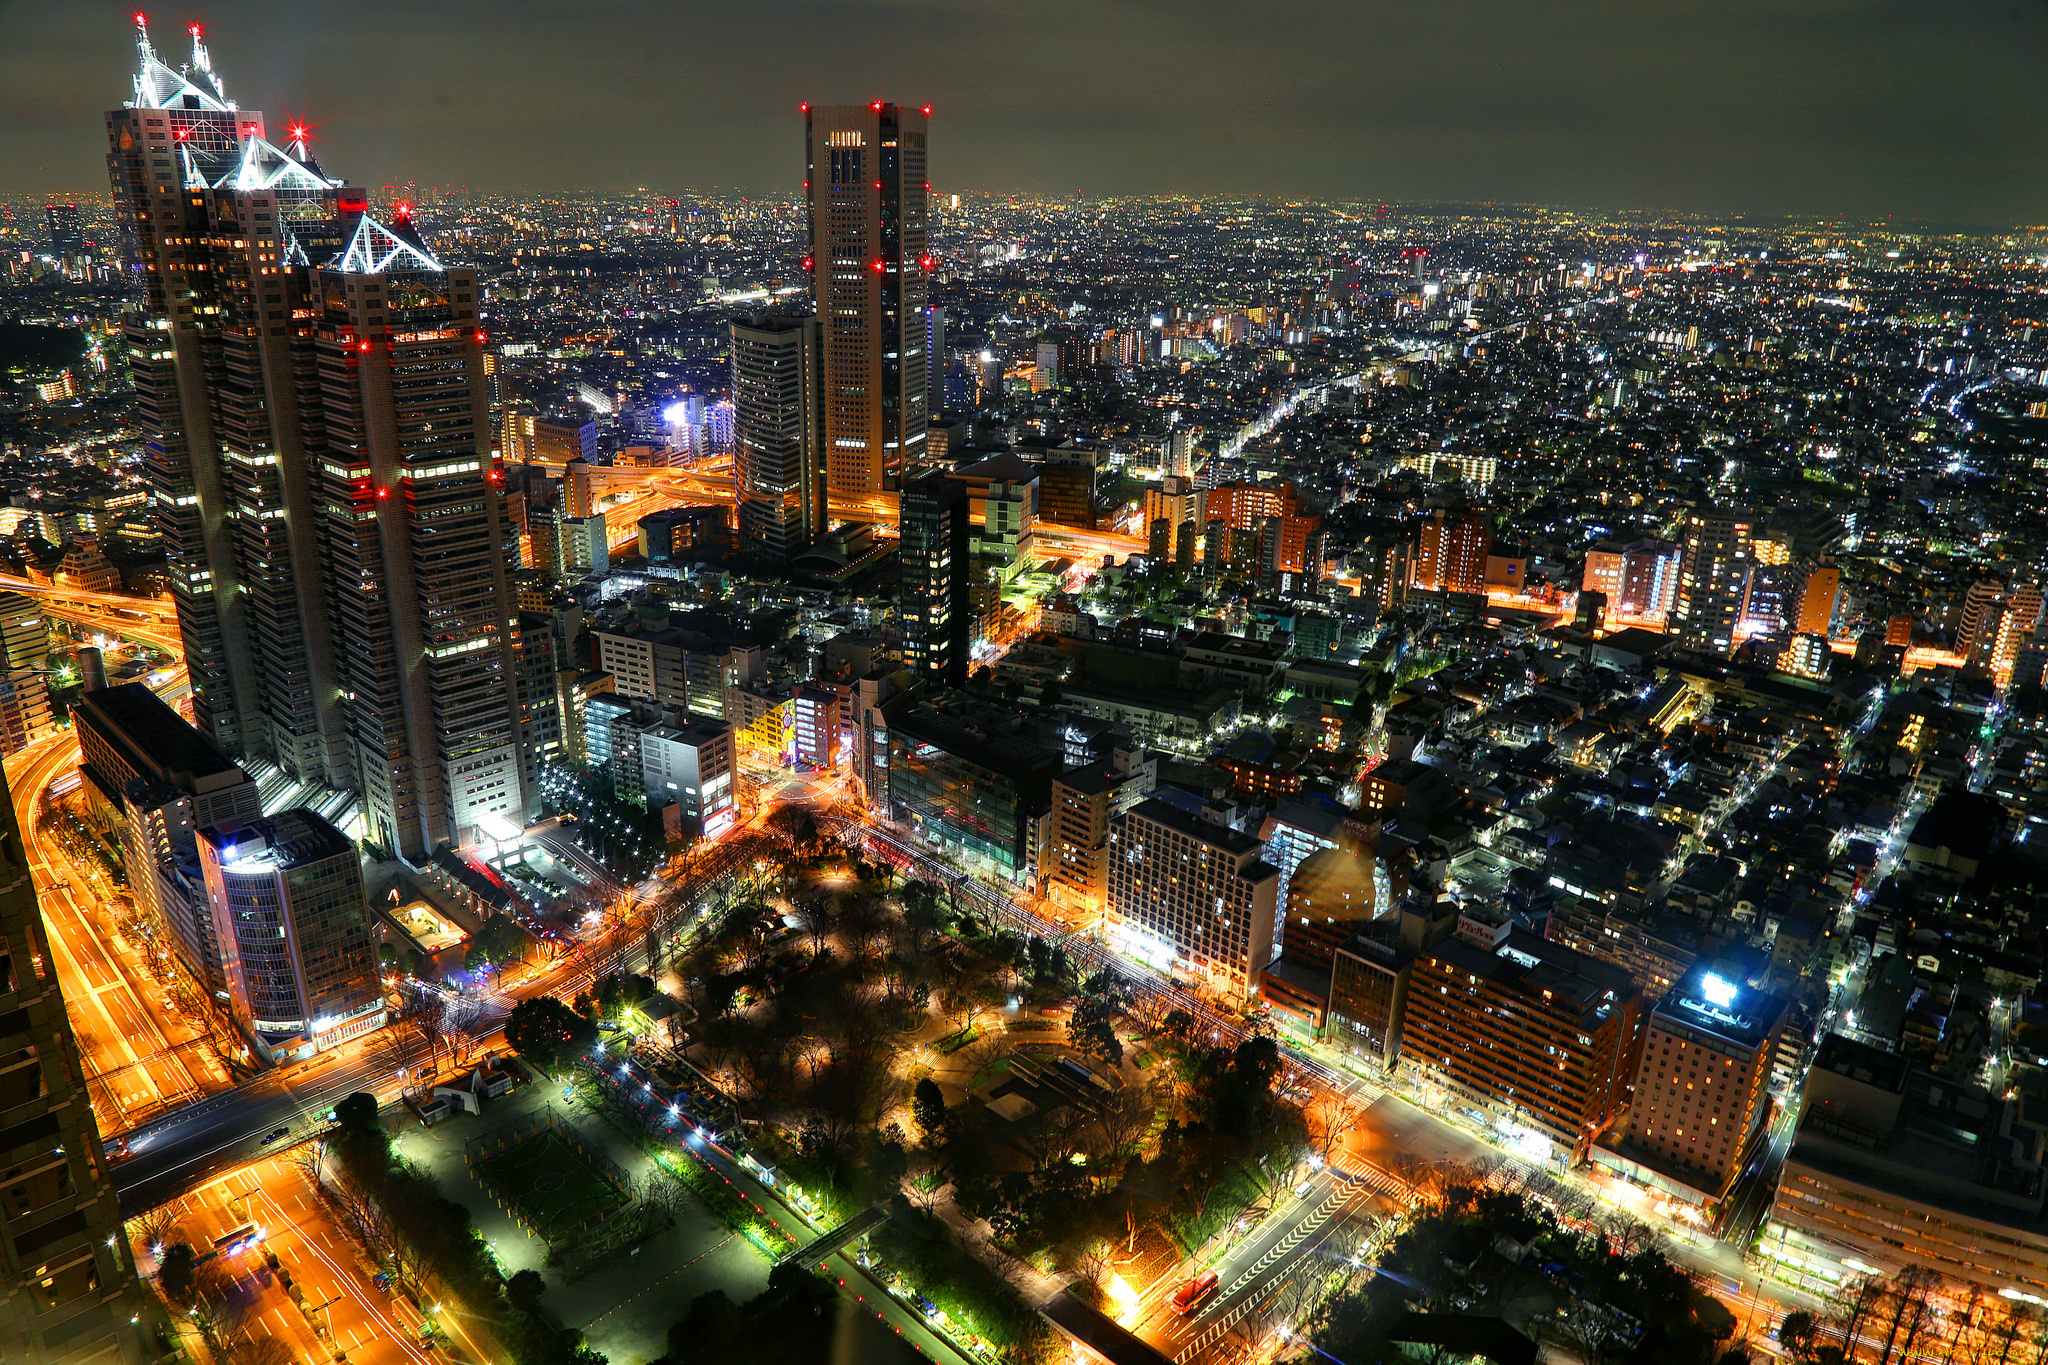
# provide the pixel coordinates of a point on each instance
(779, 466)
(937, 574)
(1702, 1093)
(310, 385)
(292, 919)
(865, 186)
(1186, 894)
(693, 765)
(1543, 1040)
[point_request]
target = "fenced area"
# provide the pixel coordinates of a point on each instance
(548, 1177)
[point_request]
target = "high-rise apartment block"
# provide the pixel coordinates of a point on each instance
(1545, 1037)
(291, 916)
(68, 1290)
(310, 385)
(1639, 579)
(1713, 577)
(1189, 894)
(1085, 800)
(1450, 553)
(779, 467)
(870, 265)
(1271, 511)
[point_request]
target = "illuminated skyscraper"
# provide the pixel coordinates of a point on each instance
(779, 478)
(310, 384)
(870, 267)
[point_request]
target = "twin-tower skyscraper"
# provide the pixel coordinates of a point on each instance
(310, 384)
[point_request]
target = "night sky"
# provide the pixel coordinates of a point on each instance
(1931, 109)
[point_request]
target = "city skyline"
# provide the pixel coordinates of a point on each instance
(1870, 112)
(608, 778)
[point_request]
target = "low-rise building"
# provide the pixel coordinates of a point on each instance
(1895, 1167)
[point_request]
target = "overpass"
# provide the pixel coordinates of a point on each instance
(709, 483)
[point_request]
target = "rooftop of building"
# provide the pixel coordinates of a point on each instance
(1528, 963)
(290, 839)
(1721, 1004)
(1237, 646)
(146, 721)
(1216, 836)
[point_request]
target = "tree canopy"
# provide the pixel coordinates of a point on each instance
(547, 1032)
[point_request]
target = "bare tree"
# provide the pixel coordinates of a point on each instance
(1911, 1311)
(1118, 1124)
(1853, 1306)
(153, 1228)
(247, 1349)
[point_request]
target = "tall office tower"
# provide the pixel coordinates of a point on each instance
(1703, 1090)
(936, 577)
(778, 475)
(310, 384)
(24, 695)
(66, 228)
(935, 360)
(292, 919)
(1451, 552)
(1817, 600)
(68, 1290)
(1714, 564)
(866, 184)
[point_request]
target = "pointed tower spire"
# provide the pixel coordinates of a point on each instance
(199, 58)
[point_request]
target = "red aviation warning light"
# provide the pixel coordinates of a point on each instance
(804, 108)
(926, 262)
(194, 30)
(876, 266)
(810, 264)
(876, 106)
(364, 346)
(402, 211)
(927, 111)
